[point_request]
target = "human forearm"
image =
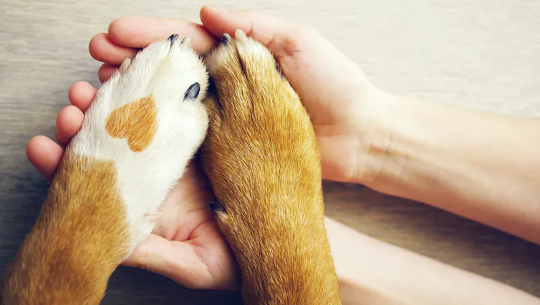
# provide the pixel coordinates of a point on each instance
(481, 166)
(373, 272)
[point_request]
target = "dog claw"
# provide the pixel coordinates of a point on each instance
(192, 92)
(225, 39)
(216, 208)
(279, 70)
(125, 64)
(173, 38)
(239, 34)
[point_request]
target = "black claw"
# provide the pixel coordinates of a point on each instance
(224, 39)
(216, 208)
(279, 70)
(192, 92)
(173, 38)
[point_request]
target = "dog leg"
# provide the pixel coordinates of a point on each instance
(144, 126)
(261, 157)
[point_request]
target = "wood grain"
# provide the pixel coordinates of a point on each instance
(481, 54)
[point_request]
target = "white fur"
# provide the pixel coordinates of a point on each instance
(144, 178)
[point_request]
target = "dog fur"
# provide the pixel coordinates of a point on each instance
(261, 157)
(143, 127)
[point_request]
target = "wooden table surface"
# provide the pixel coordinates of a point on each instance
(480, 54)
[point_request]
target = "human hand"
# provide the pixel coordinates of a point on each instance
(340, 100)
(186, 244)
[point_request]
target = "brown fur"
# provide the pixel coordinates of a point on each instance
(77, 242)
(136, 122)
(262, 159)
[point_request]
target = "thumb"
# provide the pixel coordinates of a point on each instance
(280, 37)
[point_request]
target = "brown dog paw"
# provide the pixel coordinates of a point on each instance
(261, 157)
(260, 139)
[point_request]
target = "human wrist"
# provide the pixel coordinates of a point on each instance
(409, 145)
(396, 140)
(374, 132)
(459, 160)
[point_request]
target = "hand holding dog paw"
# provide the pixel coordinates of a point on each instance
(340, 100)
(332, 88)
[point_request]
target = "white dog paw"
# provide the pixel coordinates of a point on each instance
(147, 121)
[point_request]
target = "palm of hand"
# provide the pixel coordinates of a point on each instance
(187, 241)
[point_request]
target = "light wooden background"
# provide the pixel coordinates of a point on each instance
(481, 54)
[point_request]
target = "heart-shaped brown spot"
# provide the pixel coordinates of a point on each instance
(135, 121)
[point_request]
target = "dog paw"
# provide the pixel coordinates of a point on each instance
(144, 125)
(261, 157)
(260, 139)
